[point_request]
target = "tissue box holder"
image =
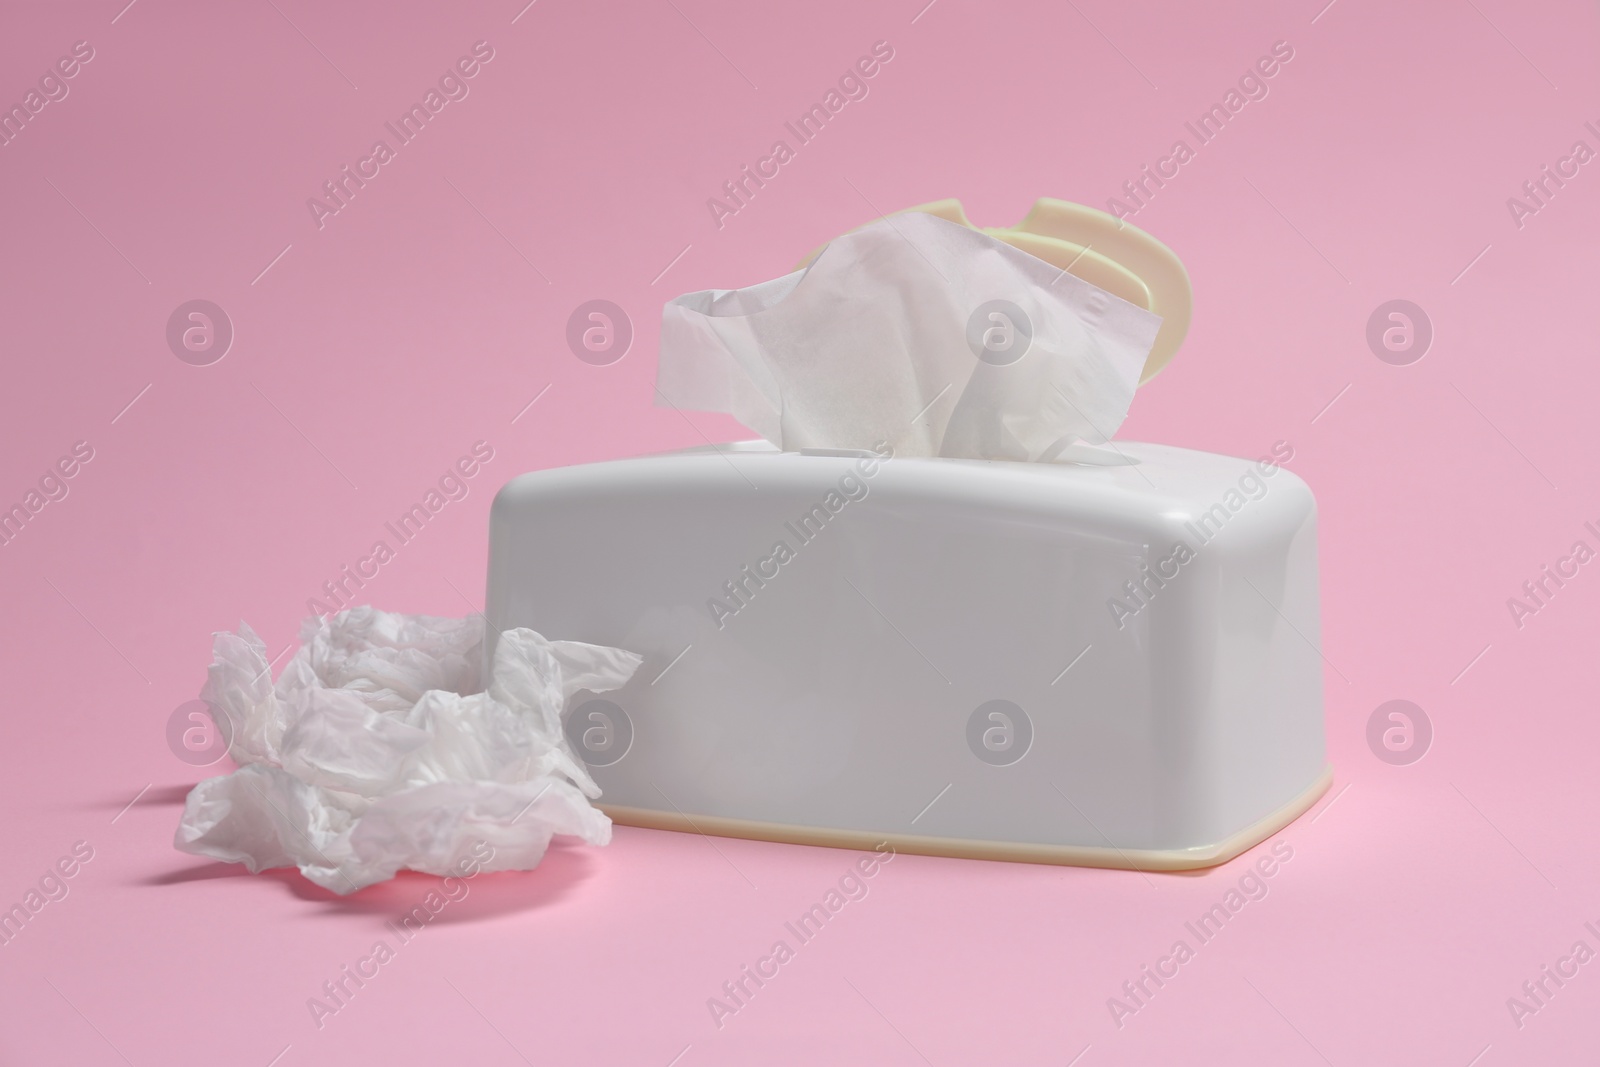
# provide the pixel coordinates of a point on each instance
(1102, 665)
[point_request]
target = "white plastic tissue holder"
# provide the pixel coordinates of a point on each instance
(1108, 665)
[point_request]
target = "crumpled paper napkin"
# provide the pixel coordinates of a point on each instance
(380, 748)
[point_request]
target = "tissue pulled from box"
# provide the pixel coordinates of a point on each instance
(931, 336)
(380, 747)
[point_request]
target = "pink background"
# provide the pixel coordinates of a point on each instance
(429, 312)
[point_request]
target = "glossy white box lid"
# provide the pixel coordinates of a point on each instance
(841, 688)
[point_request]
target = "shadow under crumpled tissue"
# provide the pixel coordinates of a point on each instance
(485, 896)
(152, 796)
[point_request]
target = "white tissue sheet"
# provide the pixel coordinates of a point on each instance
(873, 342)
(380, 748)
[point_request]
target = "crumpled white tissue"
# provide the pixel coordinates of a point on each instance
(873, 342)
(380, 748)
